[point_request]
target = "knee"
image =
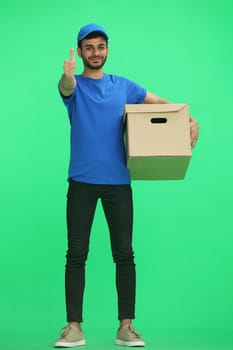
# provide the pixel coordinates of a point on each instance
(123, 257)
(75, 258)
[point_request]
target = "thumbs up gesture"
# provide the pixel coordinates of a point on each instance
(70, 65)
(68, 82)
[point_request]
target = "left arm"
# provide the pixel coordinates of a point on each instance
(152, 98)
(194, 126)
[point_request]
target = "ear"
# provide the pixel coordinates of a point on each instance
(79, 52)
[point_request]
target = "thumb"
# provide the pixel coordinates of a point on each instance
(72, 58)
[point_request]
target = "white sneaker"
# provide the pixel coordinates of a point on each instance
(127, 336)
(70, 336)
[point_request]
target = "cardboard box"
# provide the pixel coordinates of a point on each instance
(158, 141)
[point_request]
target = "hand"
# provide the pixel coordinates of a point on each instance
(194, 130)
(70, 65)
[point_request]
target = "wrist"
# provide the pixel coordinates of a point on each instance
(68, 82)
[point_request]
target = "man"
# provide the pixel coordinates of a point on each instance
(95, 102)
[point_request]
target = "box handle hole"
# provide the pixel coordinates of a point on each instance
(158, 120)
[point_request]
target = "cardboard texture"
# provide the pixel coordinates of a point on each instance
(158, 144)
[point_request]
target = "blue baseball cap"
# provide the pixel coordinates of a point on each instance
(90, 28)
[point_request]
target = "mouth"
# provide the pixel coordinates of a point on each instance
(95, 59)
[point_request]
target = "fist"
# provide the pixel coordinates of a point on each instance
(70, 65)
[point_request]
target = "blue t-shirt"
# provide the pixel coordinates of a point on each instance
(96, 110)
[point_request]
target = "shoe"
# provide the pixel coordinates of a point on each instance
(127, 336)
(70, 336)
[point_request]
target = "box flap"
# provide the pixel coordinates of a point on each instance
(153, 108)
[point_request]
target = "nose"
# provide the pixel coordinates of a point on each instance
(95, 51)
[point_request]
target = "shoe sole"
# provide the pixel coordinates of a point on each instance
(70, 345)
(130, 343)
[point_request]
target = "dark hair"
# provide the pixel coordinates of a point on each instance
(93, 35)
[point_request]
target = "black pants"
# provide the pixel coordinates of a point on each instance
(117, 204)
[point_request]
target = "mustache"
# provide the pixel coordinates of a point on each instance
(96, 57)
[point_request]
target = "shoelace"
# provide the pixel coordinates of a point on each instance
(65, 331)
(132, 330)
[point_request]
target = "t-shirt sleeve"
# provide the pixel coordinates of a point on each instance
(135, 93)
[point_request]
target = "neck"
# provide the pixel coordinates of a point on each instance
(93, 73)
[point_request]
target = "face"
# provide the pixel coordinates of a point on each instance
(93, 52)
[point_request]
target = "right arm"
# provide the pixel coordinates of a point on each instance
(68, 82)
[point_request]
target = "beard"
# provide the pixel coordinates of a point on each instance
(93, 66)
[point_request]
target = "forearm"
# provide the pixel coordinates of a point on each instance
(67, 85)
(162, 100)
(152, 98)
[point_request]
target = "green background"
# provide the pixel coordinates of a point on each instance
(183, 231)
